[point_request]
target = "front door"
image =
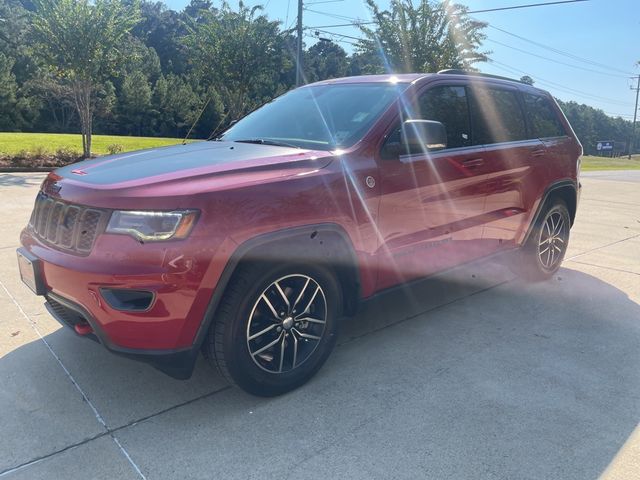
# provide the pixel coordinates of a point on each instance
(432, 201)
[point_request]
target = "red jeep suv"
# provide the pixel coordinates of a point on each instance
(250, 247)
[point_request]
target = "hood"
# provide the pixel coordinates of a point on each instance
(198, 159)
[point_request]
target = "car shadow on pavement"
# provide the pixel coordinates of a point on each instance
(12, 180)
(466, 375)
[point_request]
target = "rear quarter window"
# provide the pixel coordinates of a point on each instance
(542, 117)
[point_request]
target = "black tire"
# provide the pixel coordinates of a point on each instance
(534, 261)
(243, 311)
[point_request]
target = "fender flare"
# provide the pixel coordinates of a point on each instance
(313, 233)
(549, 191)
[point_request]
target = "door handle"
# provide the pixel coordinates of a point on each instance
(473, 163)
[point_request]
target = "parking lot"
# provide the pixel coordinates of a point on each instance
(471, 374)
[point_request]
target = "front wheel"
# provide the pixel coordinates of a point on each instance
(275, 327)
(542, 254)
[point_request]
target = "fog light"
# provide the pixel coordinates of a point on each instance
(127, 300)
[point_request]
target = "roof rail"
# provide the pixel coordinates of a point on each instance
(457, 71)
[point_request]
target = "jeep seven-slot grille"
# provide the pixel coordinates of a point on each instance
(69, 227)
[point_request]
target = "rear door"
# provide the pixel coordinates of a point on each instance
(513, 160)
(431, 202)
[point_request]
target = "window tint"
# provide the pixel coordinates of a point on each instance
(496, 116)
(447, 105)
(543, 120)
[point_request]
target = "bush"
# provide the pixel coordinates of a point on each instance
(66, 155)
(115, 148)
(38, 153)
(38, 158)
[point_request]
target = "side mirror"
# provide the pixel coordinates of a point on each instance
(422, 135)
(416, 136)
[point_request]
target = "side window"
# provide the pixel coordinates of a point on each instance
(543, 120)
(496, 116)
(447, 105)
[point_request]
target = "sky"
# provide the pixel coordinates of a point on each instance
(605, 33)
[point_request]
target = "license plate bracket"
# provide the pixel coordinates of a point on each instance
(30, 268)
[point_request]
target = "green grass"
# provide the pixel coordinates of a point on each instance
(591, 163)
(48, 143)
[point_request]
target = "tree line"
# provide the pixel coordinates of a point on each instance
(136, 67)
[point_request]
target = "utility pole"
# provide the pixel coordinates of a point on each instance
(299, 47)
(635, 115)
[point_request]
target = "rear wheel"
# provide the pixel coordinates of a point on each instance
(275, 327)
(546, 247)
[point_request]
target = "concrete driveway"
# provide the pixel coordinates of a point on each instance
(471, 374)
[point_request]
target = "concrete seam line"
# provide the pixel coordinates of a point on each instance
(126, 454)
(133, 423)
(606, 268)
(603, 246)
(35, 461)
(73, 380)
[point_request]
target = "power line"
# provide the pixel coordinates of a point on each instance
(286, 21)
(341, 35)
(548, 83)
(358, 22)
(355, 22)
(557, 61)
(611, 114)
(325, 1)
(346, 42)
(559, 52)
(526, 6)
(332, 15)
(557, 86)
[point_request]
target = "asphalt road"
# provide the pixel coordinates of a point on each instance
(471, 374)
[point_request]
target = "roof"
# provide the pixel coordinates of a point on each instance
(407, 78)
(388, 78)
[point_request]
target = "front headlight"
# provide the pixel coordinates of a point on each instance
(147, 226)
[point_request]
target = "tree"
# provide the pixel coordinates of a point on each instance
(175, 105)
(135, 102)
(162, 30)
(81, 42)
(14, 41)
(197, 9)
(423, 37)
(325, 60)
(527, 79)
(593, 125)
(8, 91)
(240, 53)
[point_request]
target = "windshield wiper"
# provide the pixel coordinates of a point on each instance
(266, 141)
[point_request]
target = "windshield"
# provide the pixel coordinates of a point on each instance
(323, 117)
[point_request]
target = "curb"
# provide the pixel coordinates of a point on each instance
(26, 169)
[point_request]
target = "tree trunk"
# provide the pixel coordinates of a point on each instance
(82, 91)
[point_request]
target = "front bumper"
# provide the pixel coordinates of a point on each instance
(175, 363)
(168, 334)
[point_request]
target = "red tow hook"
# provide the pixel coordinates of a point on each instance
(83, 328)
